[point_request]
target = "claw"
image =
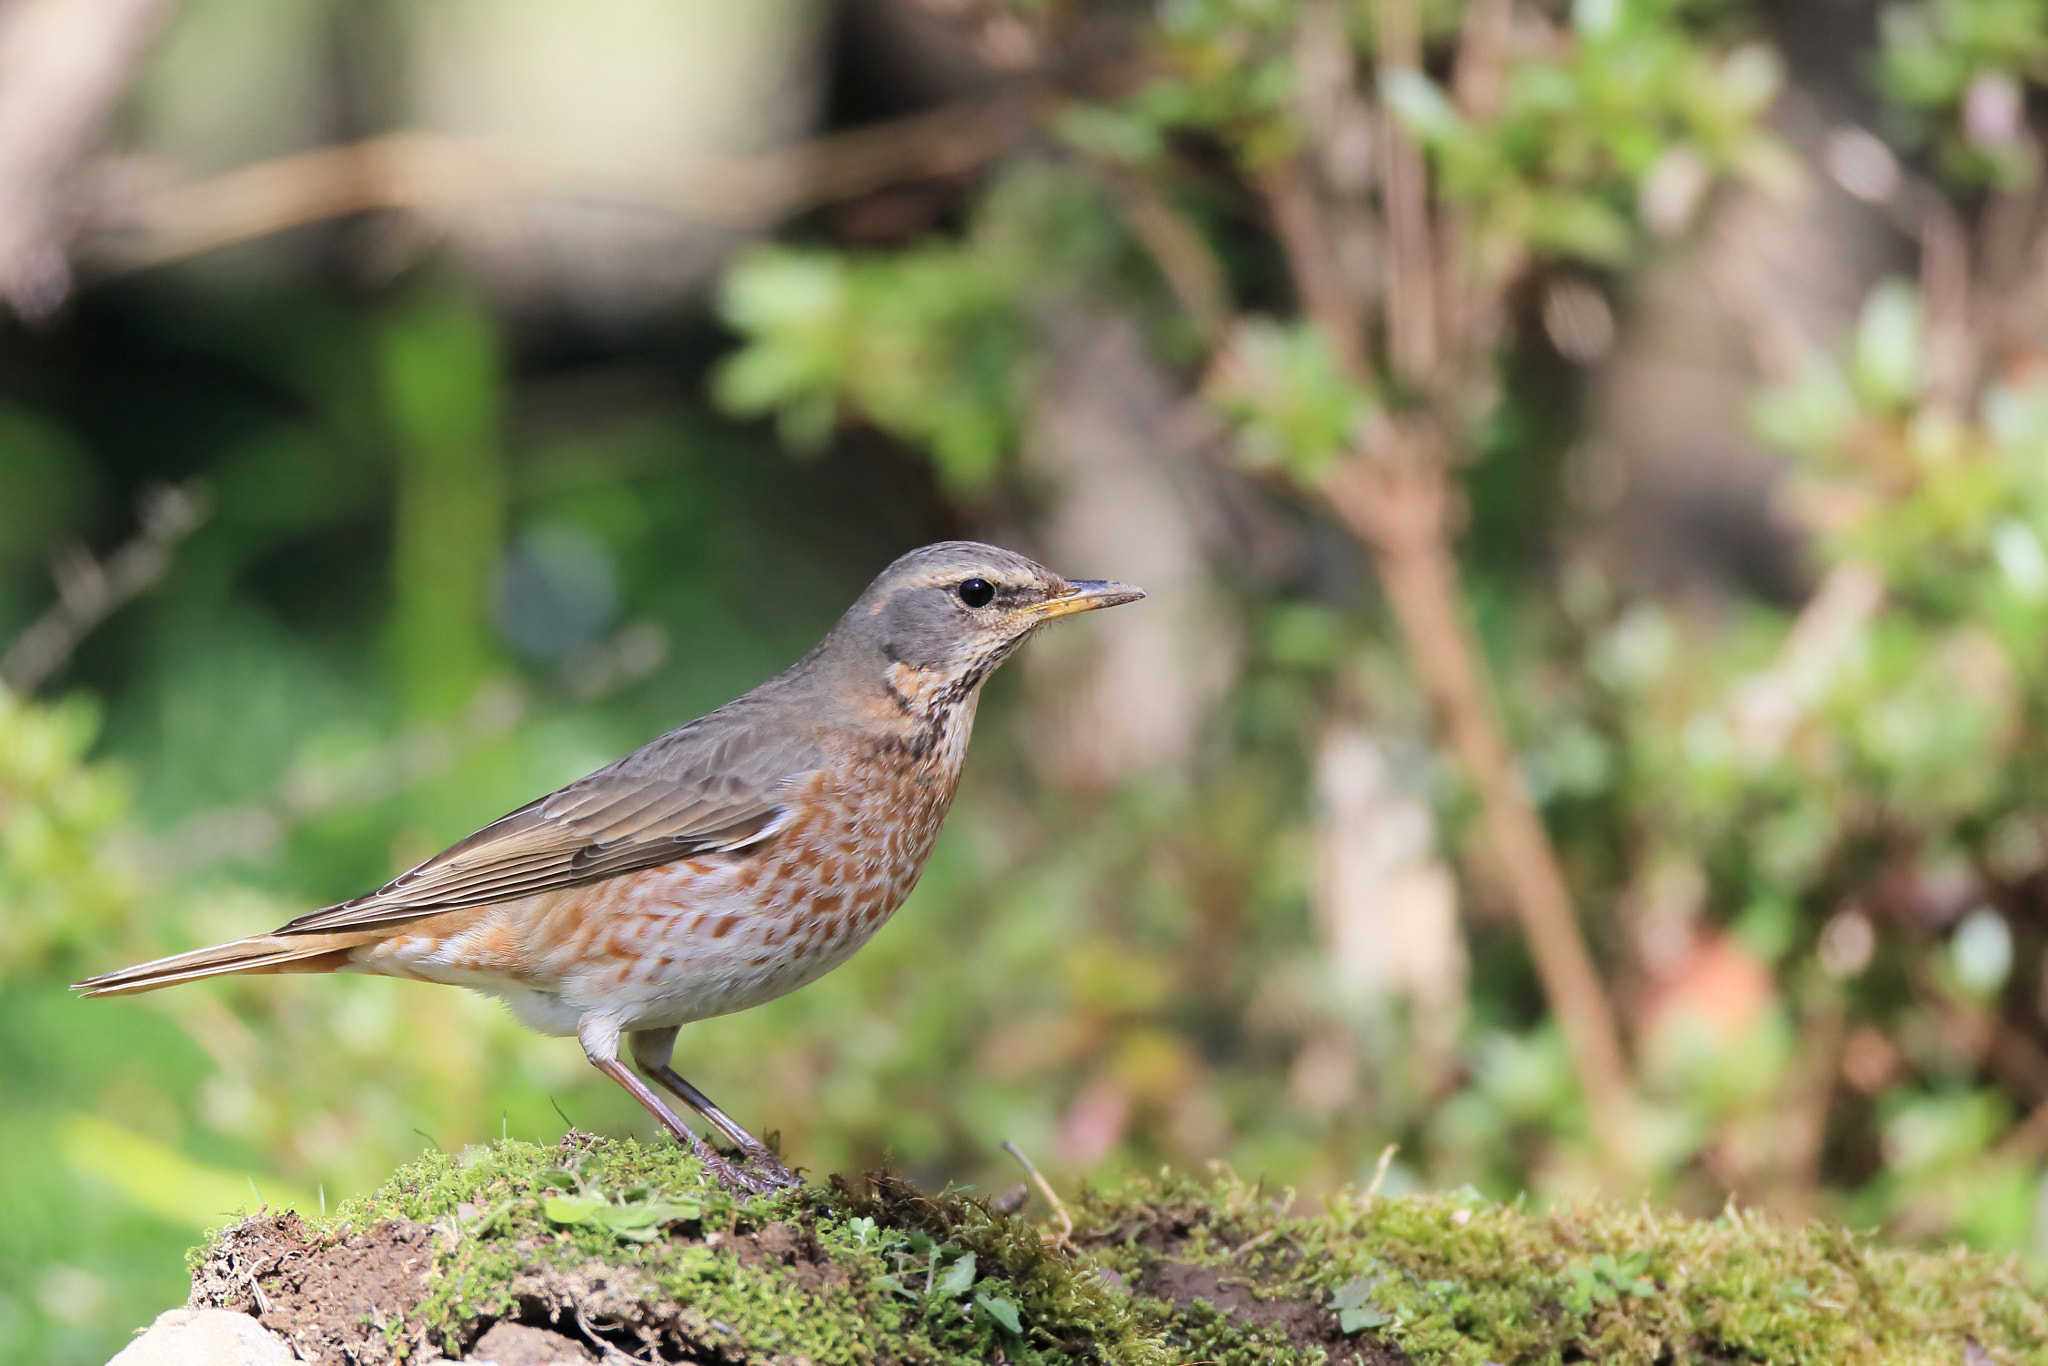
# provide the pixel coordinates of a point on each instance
(730, 1175)
(772, 1171)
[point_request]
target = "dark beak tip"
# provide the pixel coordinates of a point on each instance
(1109, 593)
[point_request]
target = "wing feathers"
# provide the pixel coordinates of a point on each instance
(670, 800)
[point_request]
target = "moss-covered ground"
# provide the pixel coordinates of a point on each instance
(631, 1249)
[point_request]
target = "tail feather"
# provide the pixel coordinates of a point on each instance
(256, 954)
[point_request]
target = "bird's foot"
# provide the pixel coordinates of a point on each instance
(759, 1173)
(770, 1169)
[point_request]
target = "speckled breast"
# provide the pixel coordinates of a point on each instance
(711, 935)
(717, 933)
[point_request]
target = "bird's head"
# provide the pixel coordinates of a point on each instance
(946, 615)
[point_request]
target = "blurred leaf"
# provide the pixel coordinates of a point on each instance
(1887, 360)
(48, 478)
(157, 1177)
(442, 388)
(1296, 407)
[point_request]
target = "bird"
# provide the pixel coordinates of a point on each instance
(717, 867)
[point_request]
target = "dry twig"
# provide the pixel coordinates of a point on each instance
(430, 174)
(90, 590)
(1059, 1207)
(1190, 268)
(1391, 493)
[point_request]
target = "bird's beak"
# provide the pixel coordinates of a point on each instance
(1082, 595)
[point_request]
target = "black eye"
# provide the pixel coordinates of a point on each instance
(976, 592)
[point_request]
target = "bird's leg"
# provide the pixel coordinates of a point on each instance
(601, 1046)
(651, 1051)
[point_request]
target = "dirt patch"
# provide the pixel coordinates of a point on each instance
(516, 1344)
(792, 1249)
(1304, 1323)
(1159, 1231)
(330, 1297)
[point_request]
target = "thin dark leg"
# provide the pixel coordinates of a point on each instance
(651, 1050)
(729, 1176)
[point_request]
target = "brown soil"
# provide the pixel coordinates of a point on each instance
(784, 1245)
(1305, 1323)
(330, 1298)
(514, 1344)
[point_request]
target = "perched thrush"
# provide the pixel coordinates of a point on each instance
(728, 862)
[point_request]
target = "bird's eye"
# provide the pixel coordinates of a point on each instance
(976, 592)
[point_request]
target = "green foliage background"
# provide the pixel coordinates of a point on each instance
(323, 690)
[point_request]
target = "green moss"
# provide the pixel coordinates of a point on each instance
(1453, 1278)
(640, 1244)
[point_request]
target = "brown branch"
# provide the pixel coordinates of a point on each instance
(1394, 500)
(63, 66)
(1391, 494)
(1311, 254)
(1468, 310)
(89, 590)
(1189, 267)
(1412, 340)
(1806, 1098)
(430, 173)
(1479, 76)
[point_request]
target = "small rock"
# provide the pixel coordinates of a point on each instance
(205, 1337)
(515, 1344)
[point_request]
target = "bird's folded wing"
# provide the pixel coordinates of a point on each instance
(694, 791)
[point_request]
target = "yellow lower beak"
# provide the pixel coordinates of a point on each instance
(1084, 595)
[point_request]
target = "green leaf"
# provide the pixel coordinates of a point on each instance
(1887, 360)
(1002, 1311)
(959, 1277)
(1358, 1320)
(1295, 405)
(636, 1222)
(1106, 134)
(652, 1214)
(1420, 104)
(571, 1209)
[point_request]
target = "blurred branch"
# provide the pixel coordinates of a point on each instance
(1394, 501)
(63, 66)
(89, 590)
(1404, 197)
(424, 750)
(1768, 706)
(1804, 1103)
(1191, 269)
(431, 173)
(999, 37)
(1391, 493)
(1312, 260)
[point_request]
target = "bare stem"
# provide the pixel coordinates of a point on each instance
(432, 173)
(1394, 502)
(90, 590)
(1412, 331)
(1059, 1206)
(1391, 494)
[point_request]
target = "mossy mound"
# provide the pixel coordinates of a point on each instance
(632, 1249)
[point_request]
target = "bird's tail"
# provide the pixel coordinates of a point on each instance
(258, 953)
